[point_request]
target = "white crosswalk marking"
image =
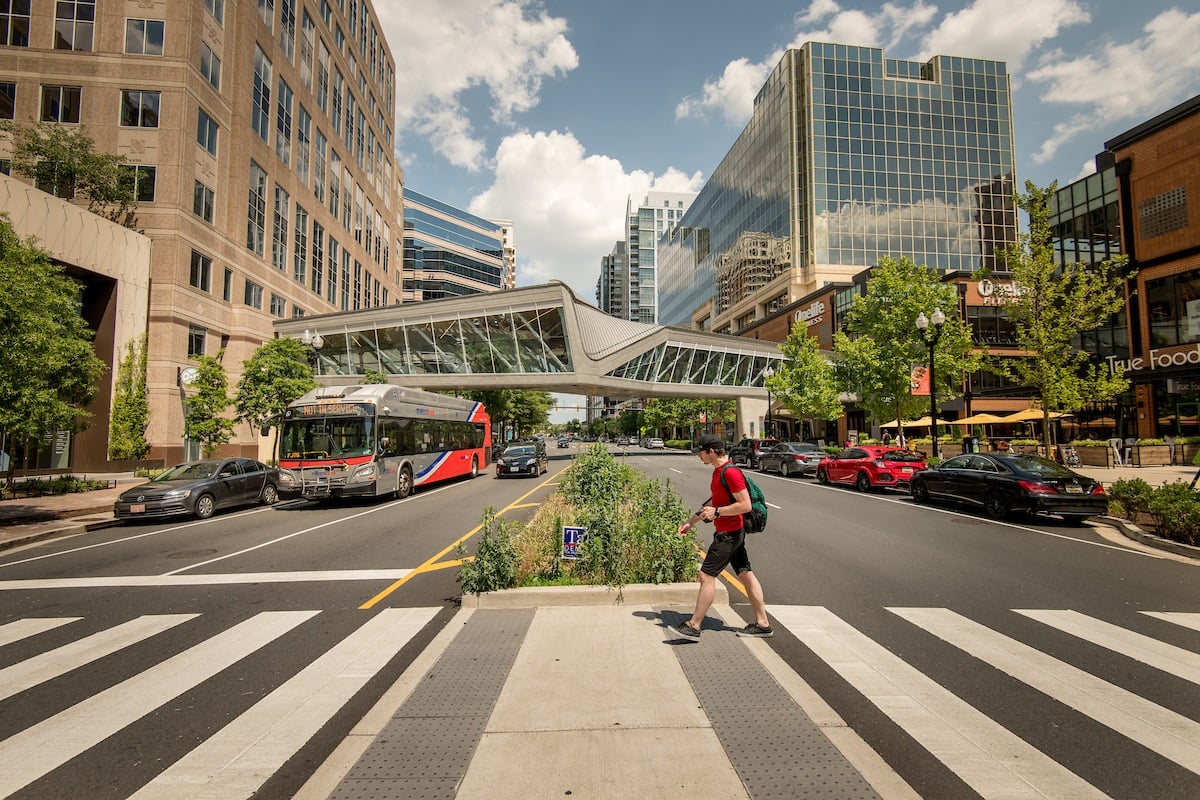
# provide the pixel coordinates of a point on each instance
(46, 666)
(24, 628)
(239, 758)
(49, 744)
(1160, 655)
(1187, 620)
(1163, 731)
(989, 758)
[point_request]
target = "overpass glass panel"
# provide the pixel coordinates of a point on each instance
(688, 364)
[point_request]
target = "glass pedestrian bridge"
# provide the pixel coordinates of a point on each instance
(538, 337)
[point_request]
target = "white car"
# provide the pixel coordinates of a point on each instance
(655, 444)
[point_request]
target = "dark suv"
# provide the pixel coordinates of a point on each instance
(747, 451)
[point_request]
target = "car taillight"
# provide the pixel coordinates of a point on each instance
(1037, 487)
(1097, 489)
(800, 458)
(880, 463)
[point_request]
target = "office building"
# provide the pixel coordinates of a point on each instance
(645, 224)
(849, 156)
(260, 137)
(612, 294)
(449, 252)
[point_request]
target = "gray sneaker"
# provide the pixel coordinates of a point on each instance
(756, 631)
(685, 630)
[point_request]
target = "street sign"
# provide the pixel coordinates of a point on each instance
(572, 537)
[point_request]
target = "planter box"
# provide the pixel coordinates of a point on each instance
(1151, 455)
(1184, 453)
(1095, 456)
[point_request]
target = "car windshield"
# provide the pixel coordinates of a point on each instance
(1042, 467)
(902, 455)
(527, 450)
(189, 472)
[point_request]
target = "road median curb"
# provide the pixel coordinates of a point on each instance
(660, 594)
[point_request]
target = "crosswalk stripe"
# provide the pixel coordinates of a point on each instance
(1160, 655)
(49, 744)
(236, 761)
(989, 758)
(59, 661)
(1159, 729)
(204, 579)
(1186, 619)
(24, 628)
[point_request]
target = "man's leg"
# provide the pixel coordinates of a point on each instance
(704, 599)
(754, 593)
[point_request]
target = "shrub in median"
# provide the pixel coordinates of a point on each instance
(1133, 494)
(1176, 512)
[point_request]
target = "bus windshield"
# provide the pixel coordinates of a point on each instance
(328, 437)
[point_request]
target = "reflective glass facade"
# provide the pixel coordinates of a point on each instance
(449, 252)
(848, 157)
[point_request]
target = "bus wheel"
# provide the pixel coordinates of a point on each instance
(404, 485)
(474, 466)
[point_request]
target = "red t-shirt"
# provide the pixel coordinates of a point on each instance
(720, 497)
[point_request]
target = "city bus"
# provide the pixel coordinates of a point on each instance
(379, 439)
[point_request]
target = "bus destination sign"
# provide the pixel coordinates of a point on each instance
(333, 409)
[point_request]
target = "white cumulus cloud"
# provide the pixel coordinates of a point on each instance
(1002, 30)
(568, 206)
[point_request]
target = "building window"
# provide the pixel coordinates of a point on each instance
(283, 124)
(287, 28)
(308, 33)
(253, 295)
(318, 256)
(202, 202)
(8, 100)
(14, 23)
(141, 179)
(144, 37)
(201, 273)
(260, 112)
(139, 109)
(303, 144)
(300, 245)
(227, 286)
(278, 306)
(206, 132)
(266, 12)
(196, 340)
(210, 66)
(322, 77)
(279, 233)
(61, 103)
(73, 24)
(1163, 214)
(297, 312)
(256, 223)
(217, 9)
(331, 274)
(319, 147)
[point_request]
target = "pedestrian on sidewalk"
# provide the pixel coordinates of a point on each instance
(724, 509)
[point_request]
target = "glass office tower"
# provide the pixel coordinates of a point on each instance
(449, 252)
(848, 157)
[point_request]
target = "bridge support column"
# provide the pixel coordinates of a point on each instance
(751, 417)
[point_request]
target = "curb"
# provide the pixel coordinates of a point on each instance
(666, 594)
(66, 529)
(1159, 543)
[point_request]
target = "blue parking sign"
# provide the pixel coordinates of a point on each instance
(571, 538)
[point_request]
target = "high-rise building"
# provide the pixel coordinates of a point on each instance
(450, 252)
(849, 156)
(260, 139)
(611, 289)
(645, 223)
(509, 239)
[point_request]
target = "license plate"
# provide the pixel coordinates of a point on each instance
(1074, 490)
(137, 508)
(906, 470)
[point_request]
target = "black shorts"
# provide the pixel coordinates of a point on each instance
(727, 550)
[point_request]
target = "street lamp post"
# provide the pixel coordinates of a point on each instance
(314, 341)
(931, 339)
(767, 374)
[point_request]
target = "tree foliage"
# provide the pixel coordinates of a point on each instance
(203, 420)
(48, 369)
(1051, 305)
(372, 377)
(880, 344)
(522, 410)
(275, 374)
(131, 405)
(806, 381)
(63, 161)
(672, 413)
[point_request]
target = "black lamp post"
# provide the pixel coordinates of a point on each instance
(313, 341)
(767, 374)
(938, 319)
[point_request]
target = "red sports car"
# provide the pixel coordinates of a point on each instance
(870, 466)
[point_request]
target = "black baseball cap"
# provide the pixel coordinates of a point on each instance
(710, 441)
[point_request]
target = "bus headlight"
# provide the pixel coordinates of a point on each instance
(364, 473)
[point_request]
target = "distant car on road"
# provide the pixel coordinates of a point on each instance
(654, 443)
(1003, 483)
(871, 466)
(791, 458)
(564, 441)
(747, 451)
(200, 488)
(526, 458)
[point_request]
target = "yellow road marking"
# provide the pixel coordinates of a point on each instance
(434, 562)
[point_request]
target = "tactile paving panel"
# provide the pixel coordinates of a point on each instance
(777, 750)
(425, 749)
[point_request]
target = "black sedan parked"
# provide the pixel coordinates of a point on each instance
(1000, 484)
(791, 458)
(527, 458)
(200, 488)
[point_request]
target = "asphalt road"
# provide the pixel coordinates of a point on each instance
(910, 621)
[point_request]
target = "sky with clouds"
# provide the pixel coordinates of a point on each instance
(552, 112)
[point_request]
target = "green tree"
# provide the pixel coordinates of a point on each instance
(131, 406)
(63, 161)
(1051, 305)
(202, 419)
(806, 382)
(880, 345)
(48, 369)
(276, 374)
(520, 410)
(372, 376)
